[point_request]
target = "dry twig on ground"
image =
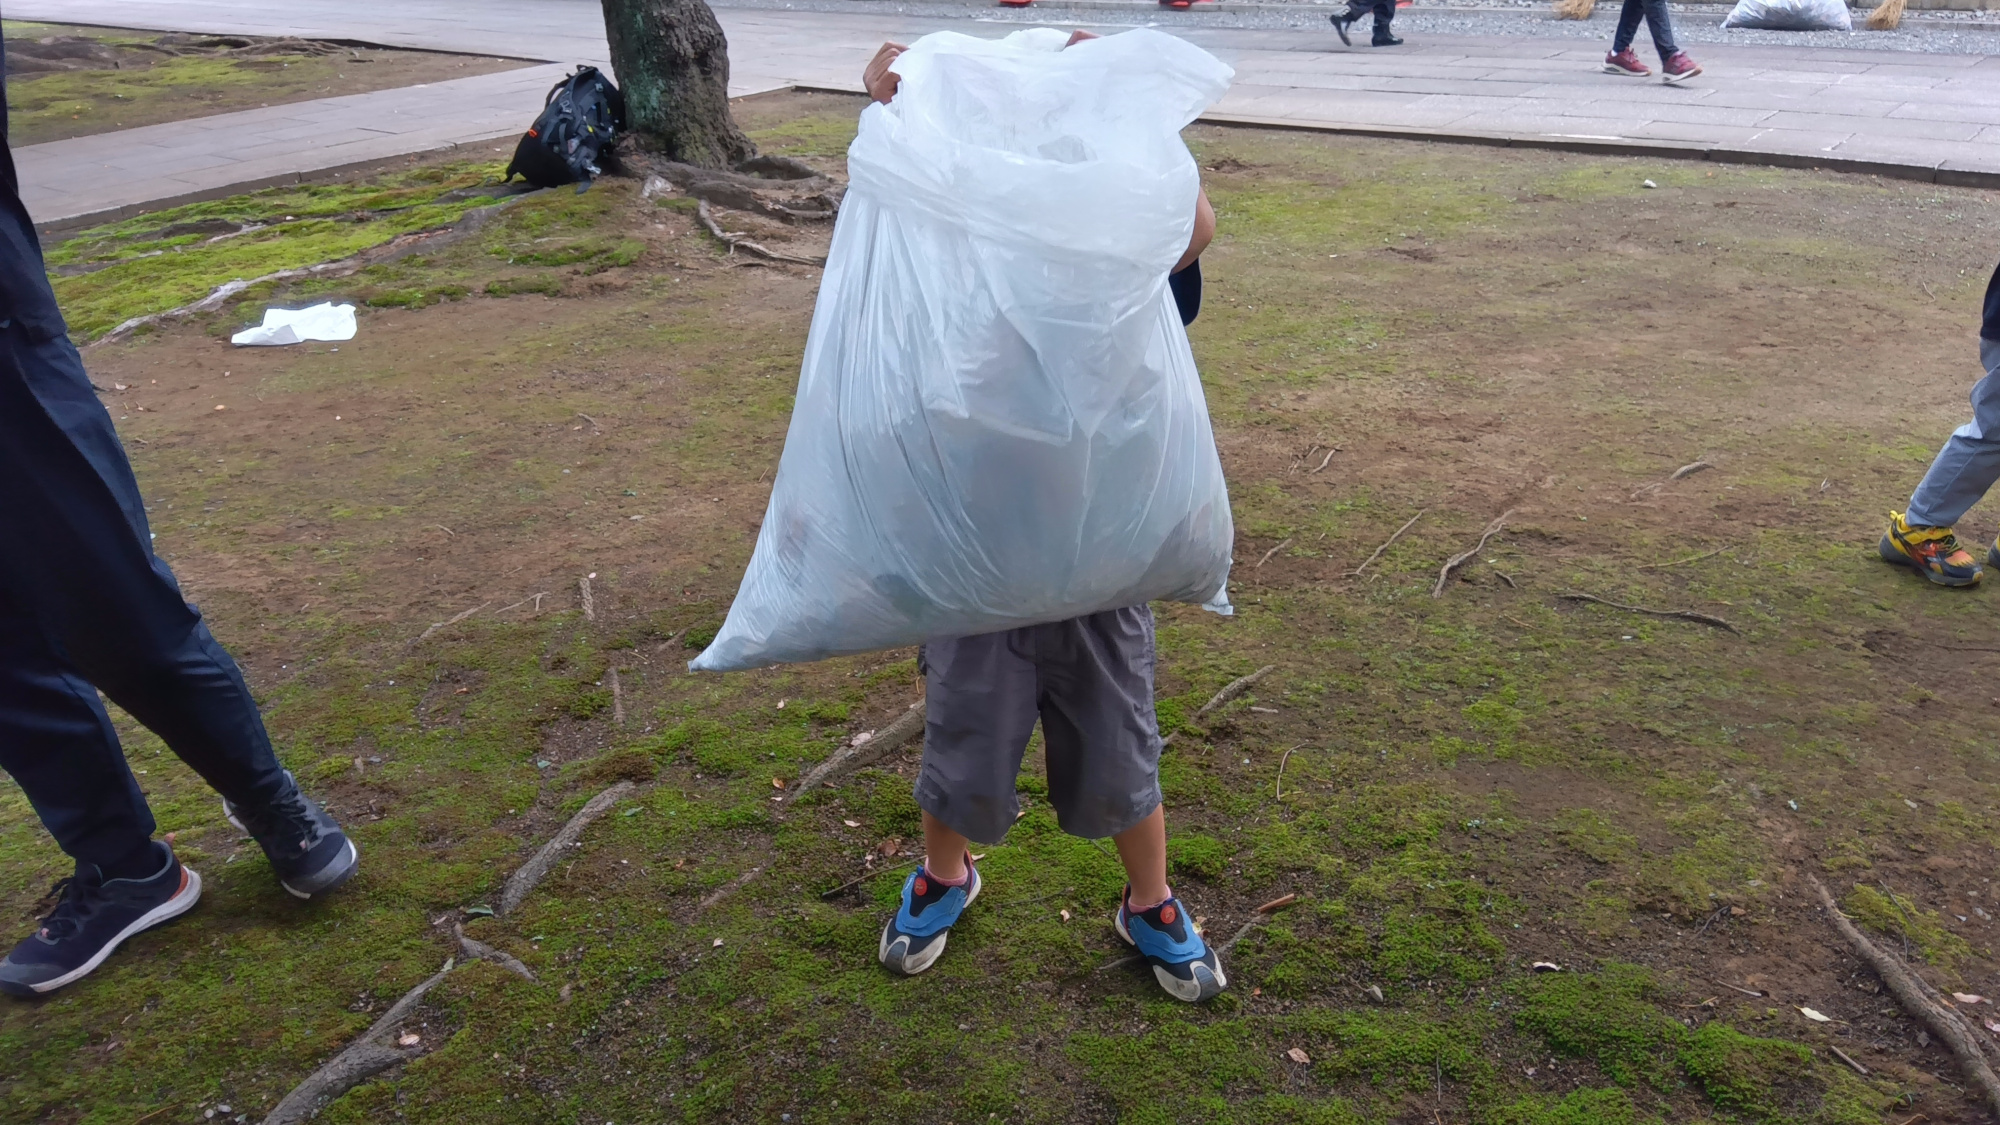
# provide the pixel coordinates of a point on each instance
(1918, 998)
(452, 621)
(589, 603)
(1269, 553)
(617, 697)
(1685, 561)
(1390, 542)
(1683, 614)
(861, 751)
(530, 873)
(1229, 691)
(1686, 470)
(1453, 563)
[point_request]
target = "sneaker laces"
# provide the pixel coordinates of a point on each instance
(286, 811)
(70, 909)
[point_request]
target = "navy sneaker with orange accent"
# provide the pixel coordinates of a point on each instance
(93, 916)
(913, 940)
(1165, 936)
(1933, 551)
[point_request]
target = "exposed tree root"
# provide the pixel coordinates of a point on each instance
(530, 873)
(1683, 614)
(862, 751)
(1917, 998)
(1453, 563)
(729, 888)
(742, 241)
(480, 951)
(400, 246)
(375, 1051)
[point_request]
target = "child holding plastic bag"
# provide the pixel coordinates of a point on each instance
(1090, 682)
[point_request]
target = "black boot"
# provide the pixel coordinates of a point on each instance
(1341, 23)
(1383, 38)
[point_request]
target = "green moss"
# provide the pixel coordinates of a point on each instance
(1579, 1107)
(1759, 1079)
(1610, 1017)
(1925, 929)
(1193, 853)
(1587, 832)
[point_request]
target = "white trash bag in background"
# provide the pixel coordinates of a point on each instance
(1790, 15)
(998, 420)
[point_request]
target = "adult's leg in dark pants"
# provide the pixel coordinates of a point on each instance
(1659, 21)
(76, 555)
(58, 745)
(1385, 11)
(1628, 25)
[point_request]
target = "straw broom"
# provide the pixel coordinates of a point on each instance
(1887, 16)
(1580, 9)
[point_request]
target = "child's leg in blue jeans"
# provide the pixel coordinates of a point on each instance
(1969, 463)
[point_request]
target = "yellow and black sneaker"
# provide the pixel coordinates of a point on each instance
(1933, 551)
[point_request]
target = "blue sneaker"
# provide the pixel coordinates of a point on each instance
(93, 916)
(1165, 936)
(914, 939)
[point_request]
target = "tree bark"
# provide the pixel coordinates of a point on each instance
(672, 64)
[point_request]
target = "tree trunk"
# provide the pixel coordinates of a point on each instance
(672, 64)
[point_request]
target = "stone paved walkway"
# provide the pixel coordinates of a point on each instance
(1928, 116)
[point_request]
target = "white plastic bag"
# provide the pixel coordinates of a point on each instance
(1791, 15)
(324, 321)
(998, 420)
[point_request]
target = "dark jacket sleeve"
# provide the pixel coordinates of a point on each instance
(25, 296)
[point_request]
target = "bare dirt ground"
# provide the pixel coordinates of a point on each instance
(1471, 782)
(65, 81)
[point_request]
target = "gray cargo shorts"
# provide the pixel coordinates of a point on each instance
(1089, 680)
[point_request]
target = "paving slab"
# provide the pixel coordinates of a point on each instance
(1921, 111)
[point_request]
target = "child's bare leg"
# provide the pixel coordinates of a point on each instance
(1143, 850)
(944, 850)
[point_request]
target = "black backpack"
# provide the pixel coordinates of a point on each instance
(579, 123)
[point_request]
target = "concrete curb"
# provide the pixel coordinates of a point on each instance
(1941, 173)
(282, 179)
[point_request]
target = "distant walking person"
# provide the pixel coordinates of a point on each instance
(1675, 63)
(86, 605)
(1675, 66)
(1385, 12)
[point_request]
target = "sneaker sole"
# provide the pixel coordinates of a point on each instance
(1677, 79)
(1207, 983)
(1621, 71)
(182, 902)
(901, 962)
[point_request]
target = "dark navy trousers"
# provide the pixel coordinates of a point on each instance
(86, 605)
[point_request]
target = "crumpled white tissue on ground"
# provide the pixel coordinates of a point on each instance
(324, 321)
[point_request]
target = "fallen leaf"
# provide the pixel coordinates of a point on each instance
(718, 941)
(889, 846)
(1065, 915)
(1375, 990)
(408, 1039)
(118, 386)
(1815, 1016)
(781, 704)
(479, 912)
(1968, 998)
(1737, 912)
(680, 863)
(1256, 992)
(1298, 1055)
(862, 738)
(1991, 1026)
(1546, 967)
(852, 823)
(777, 783)
(219, 406)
